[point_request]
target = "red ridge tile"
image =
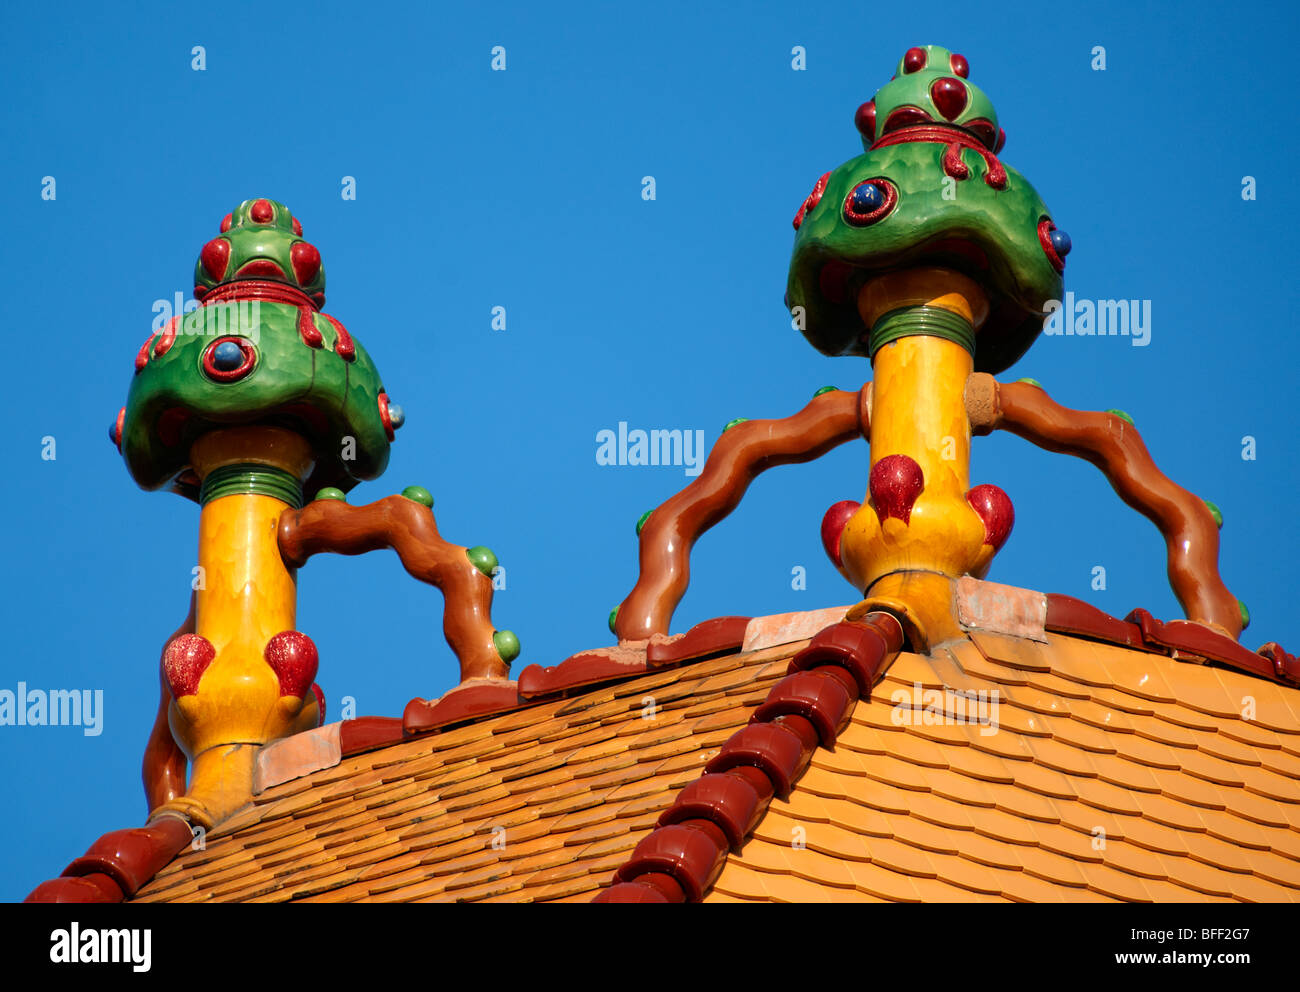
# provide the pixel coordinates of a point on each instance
(118, 864)
(857, 647)
(717, 811)
(367, 733)
(587, 668)
(820, 696)
(735, 800)
(711, 637)
(467, 701)
(1067, 615)
(1186, 637)
(132, 857)
(95, 887)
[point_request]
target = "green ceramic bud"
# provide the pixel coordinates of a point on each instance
(483, 559)
(418, 494)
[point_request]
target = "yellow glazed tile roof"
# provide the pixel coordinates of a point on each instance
(996, 769)
(539, 804)
(1112, 775)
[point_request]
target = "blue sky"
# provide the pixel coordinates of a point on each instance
(522, 189)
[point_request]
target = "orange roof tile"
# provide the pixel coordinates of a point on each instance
(997, 768)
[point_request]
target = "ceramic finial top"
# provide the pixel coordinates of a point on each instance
(929, 191)
(257, 351)
(260, 239)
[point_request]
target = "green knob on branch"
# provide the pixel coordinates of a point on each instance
(418, 494)
(507, 645)
(483, 559)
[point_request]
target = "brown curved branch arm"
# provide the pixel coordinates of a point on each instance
(739, 456)
(1114, 446)
(409, 529)
(163, 768)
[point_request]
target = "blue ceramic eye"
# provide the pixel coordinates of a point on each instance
(867, 198)
(870, 201)
(396, 415)
(227, 356)
(1060, 241)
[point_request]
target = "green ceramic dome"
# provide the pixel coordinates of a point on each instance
(257, 351)
(929, 191)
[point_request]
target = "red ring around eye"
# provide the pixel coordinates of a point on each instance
(229, 375)
(864, 219)
(1045, 229)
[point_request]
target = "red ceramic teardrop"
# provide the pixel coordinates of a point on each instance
(185, 660)
(895, 483)
(914, 60)
(215, 256)
(226, 221)
(949, 96)
(993, 506)
(865, 120)
(833, 527)
(306, 262)
(261, 212)
(959, 65)
(292, 656)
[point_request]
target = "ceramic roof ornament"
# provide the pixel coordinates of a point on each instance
(244, 405)
(935, 260)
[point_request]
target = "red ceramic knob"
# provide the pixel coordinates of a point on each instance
(292, 656)
(959, 65)
(914, 60)
(993, 506)
(226, 221)
(215, 256)
(297, 227)
(895, 483)
(262, 212)
(833, 527)
(865, 120)
(949, 96)
(306, 262)
(185, 660)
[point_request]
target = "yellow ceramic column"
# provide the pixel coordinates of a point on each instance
(246, 596)
(916, 521)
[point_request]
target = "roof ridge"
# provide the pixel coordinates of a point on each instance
(683, 856)
(805, 710)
